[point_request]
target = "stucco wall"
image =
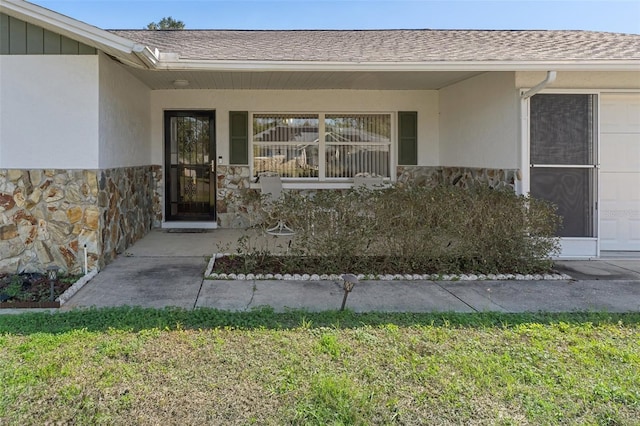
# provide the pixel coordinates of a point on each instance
(124, 117)
(582, 80)
(49, 111)
(479, 122)
(223, 101)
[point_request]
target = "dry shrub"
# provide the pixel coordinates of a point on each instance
(445, 229)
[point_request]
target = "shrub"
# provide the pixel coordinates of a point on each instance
(411, 229)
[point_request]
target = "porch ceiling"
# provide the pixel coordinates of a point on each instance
(303, 80)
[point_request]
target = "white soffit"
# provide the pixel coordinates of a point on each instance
(309, 80)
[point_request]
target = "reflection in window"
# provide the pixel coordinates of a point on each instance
(290, 145)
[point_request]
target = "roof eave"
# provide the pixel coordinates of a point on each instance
(238, 65)
(123, 49)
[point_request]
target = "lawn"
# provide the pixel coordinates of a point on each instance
(144, 366)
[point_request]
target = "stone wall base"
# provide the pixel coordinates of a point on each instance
(457, 176)
(48, 217)
(237, 205)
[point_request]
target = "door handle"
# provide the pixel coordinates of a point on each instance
(213, 166)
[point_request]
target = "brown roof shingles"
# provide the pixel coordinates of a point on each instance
(390, 45)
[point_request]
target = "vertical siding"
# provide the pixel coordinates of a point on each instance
(4, 34)
(51, 43)
(21, 38)
(35, 40)
(17, 36)
(68, 46)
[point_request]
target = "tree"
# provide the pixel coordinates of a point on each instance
(167, 23)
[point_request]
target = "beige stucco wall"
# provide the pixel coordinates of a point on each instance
(48, 111)
(582, 80)
(125, 127)
(223, 101)
(479, 122)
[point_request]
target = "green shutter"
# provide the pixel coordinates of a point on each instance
(407, 138)
(239, 137)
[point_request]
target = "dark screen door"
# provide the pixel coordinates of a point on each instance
(563, 158)
(190, 165)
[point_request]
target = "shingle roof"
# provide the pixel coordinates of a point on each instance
(390, 45)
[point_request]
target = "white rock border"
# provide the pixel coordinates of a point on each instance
(209, 275)
(68, 293)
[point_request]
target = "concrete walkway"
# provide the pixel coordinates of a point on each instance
(166, 269)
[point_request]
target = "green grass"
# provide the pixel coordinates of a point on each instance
(145, 366)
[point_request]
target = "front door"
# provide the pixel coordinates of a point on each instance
(190, 166)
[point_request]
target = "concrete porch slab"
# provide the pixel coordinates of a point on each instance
(161, 243)
(146, 282)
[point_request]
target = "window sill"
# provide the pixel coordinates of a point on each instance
(293, 184)
(298, 184)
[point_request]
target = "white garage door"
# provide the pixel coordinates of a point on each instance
(620, 171)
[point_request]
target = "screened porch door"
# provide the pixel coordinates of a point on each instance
(563, 166)
(190, 166)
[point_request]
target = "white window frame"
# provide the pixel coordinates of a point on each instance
(322, 180)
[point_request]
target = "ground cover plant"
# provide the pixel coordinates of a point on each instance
(144, 366)
(405, 230)
(31, 287)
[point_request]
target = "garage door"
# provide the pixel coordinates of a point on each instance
(620, 171)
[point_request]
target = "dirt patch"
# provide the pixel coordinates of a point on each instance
(31, 290)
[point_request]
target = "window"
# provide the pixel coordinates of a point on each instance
(322, 146)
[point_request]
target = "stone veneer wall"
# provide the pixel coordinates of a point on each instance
(236, 207)
(458, 176)
(130, 200)
(232, 208)
(47, 216)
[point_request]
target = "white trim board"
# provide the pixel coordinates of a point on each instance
(189, 225)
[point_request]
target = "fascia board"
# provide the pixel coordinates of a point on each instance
(205, 65)
(103, 40)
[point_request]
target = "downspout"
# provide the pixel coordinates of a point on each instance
(524, 182)
(551, 77)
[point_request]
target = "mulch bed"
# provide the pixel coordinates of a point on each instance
(381, 265)
(30, 290)
(312, 265)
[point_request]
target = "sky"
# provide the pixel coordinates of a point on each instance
(622, 16)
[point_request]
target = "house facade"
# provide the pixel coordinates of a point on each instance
(105, 135)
